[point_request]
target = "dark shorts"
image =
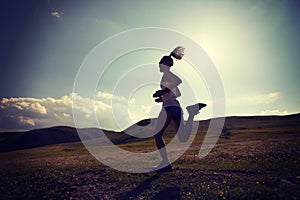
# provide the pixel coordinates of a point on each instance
(174, 112)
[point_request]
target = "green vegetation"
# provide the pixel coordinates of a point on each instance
(258, 162)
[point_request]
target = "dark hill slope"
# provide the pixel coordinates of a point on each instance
(62, 134)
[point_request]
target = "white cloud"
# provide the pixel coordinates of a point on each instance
(29, 113)
(255, 99)
(113, 98)
(139, 110)
(266, 98)
(57, 14)
(37, 107)
(274, 112)
(25, 121)
(23, 105)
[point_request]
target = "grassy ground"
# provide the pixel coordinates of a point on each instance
(255, 163)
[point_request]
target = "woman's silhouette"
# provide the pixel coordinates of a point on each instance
(171, 109)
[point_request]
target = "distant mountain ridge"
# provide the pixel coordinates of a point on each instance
(64, 134)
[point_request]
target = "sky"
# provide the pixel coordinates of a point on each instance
(254, 45)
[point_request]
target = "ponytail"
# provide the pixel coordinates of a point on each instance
(177, 53)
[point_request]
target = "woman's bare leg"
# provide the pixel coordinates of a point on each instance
(162, 123)
(184, 130)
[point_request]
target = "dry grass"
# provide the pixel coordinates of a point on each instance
(255, 163)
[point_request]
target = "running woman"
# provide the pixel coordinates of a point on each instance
(171, 109)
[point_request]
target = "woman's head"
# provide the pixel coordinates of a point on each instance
(165, 63)
(167, 60)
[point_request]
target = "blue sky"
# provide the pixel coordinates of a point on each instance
(254, 44)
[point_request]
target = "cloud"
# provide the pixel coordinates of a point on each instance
(255, 99)
(266, 98)
(104, 96)
(29, 113)
(139, 110)
(274, 112)
(57, 14)
(23, 105)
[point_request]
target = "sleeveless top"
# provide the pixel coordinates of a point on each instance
(171, 81)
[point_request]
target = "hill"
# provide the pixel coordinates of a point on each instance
(259, 161)
(62, 134)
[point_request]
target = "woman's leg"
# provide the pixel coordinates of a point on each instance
(184, 130)
(162, 123)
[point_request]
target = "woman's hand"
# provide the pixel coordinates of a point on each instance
(160, 93)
